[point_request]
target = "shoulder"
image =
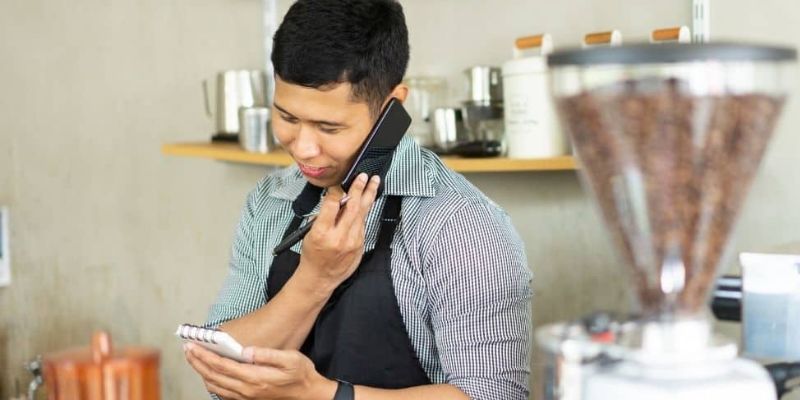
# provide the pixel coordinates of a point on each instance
(454, 194)
(457, 203)
(269, 188)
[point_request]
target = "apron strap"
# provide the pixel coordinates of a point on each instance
(309, 197)
(389, 221)
(302, 205)
(307, 200)
(390, 217)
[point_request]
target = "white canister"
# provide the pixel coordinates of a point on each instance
(770, 306)
(531, 125)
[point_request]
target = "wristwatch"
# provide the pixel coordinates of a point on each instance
(344, 391)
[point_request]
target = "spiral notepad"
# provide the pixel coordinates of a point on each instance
(215, 340)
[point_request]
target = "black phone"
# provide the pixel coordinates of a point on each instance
(374, 158)
(375, 155)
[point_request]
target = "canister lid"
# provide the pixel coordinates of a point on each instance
(526, 65)
(671, 53)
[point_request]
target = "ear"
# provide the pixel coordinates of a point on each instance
(400, 92)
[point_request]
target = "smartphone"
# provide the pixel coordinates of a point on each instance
(375, 155)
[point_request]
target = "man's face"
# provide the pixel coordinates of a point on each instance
(321, 129)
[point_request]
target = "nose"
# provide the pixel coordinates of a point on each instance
(305, 146)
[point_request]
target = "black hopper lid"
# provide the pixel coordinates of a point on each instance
(647, 53)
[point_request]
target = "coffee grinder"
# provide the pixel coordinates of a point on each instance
(668, 138)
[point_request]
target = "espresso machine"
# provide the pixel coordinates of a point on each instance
(668, 139)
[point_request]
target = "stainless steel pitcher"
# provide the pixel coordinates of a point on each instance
(484, 85)
(235, 89)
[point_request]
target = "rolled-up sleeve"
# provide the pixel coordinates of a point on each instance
(480, 303)
(243, 289)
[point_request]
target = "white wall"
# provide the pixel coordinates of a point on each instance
(448, 36)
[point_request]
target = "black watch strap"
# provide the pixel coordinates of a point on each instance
(344, 391)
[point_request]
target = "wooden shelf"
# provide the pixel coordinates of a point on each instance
(233, 153)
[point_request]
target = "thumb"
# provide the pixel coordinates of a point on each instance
(271, 357)
(328, 211)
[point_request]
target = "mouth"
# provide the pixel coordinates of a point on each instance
(312, 172)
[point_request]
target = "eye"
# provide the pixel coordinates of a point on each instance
(329, 130)
(289, 119)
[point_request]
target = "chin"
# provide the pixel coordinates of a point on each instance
(321, 182)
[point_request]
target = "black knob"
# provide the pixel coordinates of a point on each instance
(598, 322)
(727, 301)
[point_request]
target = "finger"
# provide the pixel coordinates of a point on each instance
(233, 371)
(335, 189)
(283, 359)
(252, 376)
(368, 198)
(223, 393)
(211, 377)
(351, 212)
(328, 211)
(356, 233)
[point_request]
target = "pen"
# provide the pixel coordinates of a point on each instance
(301, 232)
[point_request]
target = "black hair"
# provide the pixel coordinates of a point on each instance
(327, 42)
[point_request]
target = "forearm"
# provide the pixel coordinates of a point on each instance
(285, 321)
(442, 392)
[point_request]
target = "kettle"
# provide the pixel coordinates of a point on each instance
(235, 89)
(98, 372)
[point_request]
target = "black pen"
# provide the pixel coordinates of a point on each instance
(301, 232)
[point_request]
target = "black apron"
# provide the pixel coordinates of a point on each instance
(359, 336)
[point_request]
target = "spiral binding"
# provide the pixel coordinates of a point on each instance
(194, 332)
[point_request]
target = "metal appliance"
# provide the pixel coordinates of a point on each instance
(425, 94)
(235, 89)
(448, 129)
(255, 132)
(483, 113)
(669, 138)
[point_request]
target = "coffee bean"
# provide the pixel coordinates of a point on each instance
(669, 170)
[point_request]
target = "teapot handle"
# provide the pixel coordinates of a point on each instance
(205, 98)
(101, 346)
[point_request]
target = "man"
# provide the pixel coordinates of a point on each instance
(423, 294)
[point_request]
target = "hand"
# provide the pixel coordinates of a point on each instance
(333, 248)
(272, 375)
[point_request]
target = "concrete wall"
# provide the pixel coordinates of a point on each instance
(107, 233)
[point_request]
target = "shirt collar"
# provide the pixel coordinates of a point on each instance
(409, 175)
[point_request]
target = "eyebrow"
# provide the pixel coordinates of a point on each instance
(318, 122)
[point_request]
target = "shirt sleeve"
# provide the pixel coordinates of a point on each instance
(480, 303)
(243, 289)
